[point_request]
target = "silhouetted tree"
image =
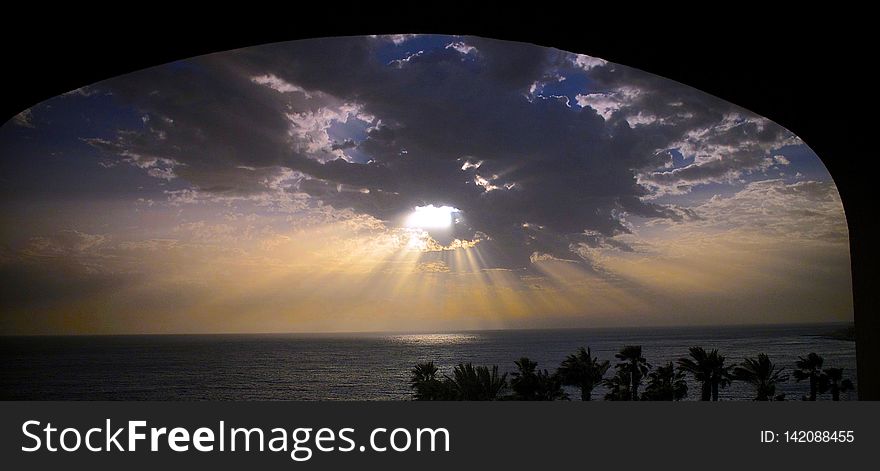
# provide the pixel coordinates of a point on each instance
(583, 371)
(618, 386)
(762, 375)
(836, 383)
(810, 368)
(709, 370)
(550, 387)
(666, 383)
(635, 365)
(477, 383)
(530, 384)
(524, 381)
(426, 385)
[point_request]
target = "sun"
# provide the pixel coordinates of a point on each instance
(431, 217)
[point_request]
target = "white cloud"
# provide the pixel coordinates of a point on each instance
(81, 91)
(309, 129)
(486, 183)
(24, 119)
(722, 152)
(586, 62)
(802, 210)
(397, 39)
(489, 183)
(279, 85)
(402, 62)
(643, 119)
(156, 167)
(469, 165)
(608, 103)
(462, 47)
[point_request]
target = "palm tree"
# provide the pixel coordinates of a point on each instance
(524, 381)
(666, 384)
(584, 371)
(530, 384)
(550, 387)
(422, 374)
(635, 365)
(425, 384)
(708, 369)
(477, 383)
(619, 386)
(836, 383)
(762, 374)
(810, 368)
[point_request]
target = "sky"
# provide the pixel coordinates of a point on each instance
(408, 183)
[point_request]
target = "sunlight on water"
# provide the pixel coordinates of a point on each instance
(434, 339)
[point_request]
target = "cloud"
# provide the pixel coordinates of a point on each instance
(781, 160)
(609, 103)
(722, 141)
(397, 39)
(65, 243)
(325, 122)
(24, 119)
(66, 251)
(81, 91)
(156, 167)
(723, 151)
(309, 130)
(204, 232)
(462, 47)
(804, 210)
(279, 85)
(586, 62)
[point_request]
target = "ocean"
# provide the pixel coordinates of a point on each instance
(366, 366)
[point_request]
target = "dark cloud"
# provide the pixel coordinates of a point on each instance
(346, 144)
(723, 139)
(451, 125)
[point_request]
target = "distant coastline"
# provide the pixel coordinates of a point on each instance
(847, 333)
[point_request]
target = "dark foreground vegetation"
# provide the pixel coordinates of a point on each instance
(631, 378)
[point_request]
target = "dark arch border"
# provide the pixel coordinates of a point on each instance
(805, 73)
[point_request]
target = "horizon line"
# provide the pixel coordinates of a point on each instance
(426, 332)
